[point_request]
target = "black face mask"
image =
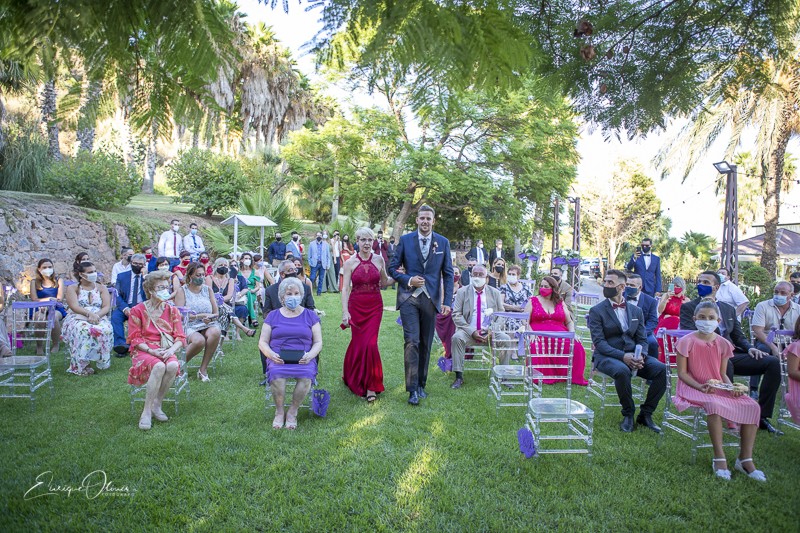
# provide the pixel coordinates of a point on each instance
(499, 269)
(222, 270)
(796, 287)
(319, 239)
(610, 292)
(557, 278)
(278, 239)
(646, 249)
(136, 269)
(295, 238)
(290, 275)
(469, 269)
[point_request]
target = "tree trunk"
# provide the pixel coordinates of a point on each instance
(769, 254)
(88, 116)
(613, 251)
(49, 118)
(150, 162)
(335, 201)
(405, 211)
(2, 123)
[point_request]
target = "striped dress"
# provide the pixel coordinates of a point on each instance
(793, 396)
(704, 359)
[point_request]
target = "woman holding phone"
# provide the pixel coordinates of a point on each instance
(669, 310)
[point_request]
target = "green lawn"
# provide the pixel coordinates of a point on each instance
(450, 464)
(157, 202)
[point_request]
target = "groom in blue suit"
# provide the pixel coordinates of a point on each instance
(648, 266)
(427, 271)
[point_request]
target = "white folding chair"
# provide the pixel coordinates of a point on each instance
(783, 338)
(693, 423)
(582, 302)
(22, 375)
(511, 385)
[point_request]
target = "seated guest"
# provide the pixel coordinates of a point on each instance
(301, 273)
(649, 307)
(546, 312)
(564, 288)
(516, 295)
(123, 265)
(130, 291)
(202, 330)
(617, 328)
(45, 286)
(702, 365)
(794, 279)
(291, 327)
(162, 265)
(471, 262)
(82, 257)
(469, 315)
(5, 342)
(792, 354)
(205, 260)
(155, 334)
(497, 275)
(731, 294)
(150, 257)
(261, 270)
(229, 311)
(86, 328)
(180, 268)
(746, 360)
(669, 310)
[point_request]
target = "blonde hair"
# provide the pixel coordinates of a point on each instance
(364, 232)
(501, 278)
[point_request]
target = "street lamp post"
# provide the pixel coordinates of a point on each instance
(729, 258)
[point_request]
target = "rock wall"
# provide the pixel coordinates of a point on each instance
(36, 226)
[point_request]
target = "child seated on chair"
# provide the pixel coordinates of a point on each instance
(792, 355)
(702, 361)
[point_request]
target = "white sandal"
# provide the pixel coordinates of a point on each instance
(721, 473)
(758, 475)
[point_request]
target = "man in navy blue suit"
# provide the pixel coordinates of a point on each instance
(130, 291)
(649, 307)
(426, 262)
(648, 266)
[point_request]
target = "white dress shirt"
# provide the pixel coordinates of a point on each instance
(481, 257)
(194, 243)
(425, 242)
(170, 244)
(622, 314)
(730, 294)
(647, 260)
(117, 269)
(482, 310)
(499, 252)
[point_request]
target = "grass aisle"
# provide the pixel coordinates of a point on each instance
(449, 465)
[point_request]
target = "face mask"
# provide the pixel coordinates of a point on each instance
(246, 262)
(610, 292)
(480, 245)
(512, 278)
(678, 291)
(631, 293)
(319, 239)
(780, 300)
(704, 290)
(164, 267)
(546, 292)
(292, 274)
(136, 269)
(469, 268)
(646, 249)
(148, 256)
(705, 326)
(557, 278)
(723, 278)
(499, 269)
(126, 259)
(197, 281)
(185, 262)
(295, 238)
(278, 239)
(325, 236)
(47, 272)
(91, 277)
(175, 227)
(292, 302)
(204, 260)
(194, 231)
(346, 239)
(478, 283)
(222, 270)
(163, 295)
(796, 287)
(260, 264)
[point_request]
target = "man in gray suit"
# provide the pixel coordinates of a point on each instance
(617, 328)
(469, 315)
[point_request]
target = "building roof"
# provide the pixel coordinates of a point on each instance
(788, 244)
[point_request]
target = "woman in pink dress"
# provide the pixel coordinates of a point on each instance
(362, 310)
(547, 313)
(669, 310)
(792, 354)
(702, 361)
(153, 362)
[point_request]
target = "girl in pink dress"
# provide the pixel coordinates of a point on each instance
(547, 313)
(702, 362)
(792, 355)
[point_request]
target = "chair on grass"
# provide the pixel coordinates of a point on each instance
(692, 424)
(575, 420)
(784, 338)
(112, 293)
(179, 385)
(22, 375)
(511, 385)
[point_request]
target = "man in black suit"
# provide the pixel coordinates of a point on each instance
(479, 253)
(496, 253)
(467, 272)
(649, 307)
(746, 360)
(617, 328)
(130, 291)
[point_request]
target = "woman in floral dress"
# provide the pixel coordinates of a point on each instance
(87, 329)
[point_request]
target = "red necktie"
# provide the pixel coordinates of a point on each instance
(619, 306)
(479, 310)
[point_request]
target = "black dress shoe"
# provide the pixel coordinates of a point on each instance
(627, 424)
(413, 398)
(263, 383)
(457, 383)
(765, 425)
(121, 351)
(647, 421)
(421, 393)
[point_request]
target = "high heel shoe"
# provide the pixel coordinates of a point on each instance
(722, 473)
(203, 377)
(758, 475)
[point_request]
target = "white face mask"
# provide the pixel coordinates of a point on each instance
(512, 278)
(175, 227)
(163, 295)
(705, 326)
(47, 272)
(164, 267)
(246, 262)
(92, 277)
(723, 278)
(478, 283)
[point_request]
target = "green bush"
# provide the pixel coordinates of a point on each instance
(24, 160)
(210, 182)
(97, 180)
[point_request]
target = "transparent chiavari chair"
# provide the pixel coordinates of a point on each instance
(513, 384)
(582, 302)
(21, 375)
(784, 338)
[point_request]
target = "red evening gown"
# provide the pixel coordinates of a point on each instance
(669, 319)
(362, 362)
(541, 320)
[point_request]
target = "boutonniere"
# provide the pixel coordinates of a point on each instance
(435, 245)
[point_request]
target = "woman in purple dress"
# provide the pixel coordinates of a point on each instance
(290, 327)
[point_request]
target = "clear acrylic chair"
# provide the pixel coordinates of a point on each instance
(783, 338)
(180, 384)
(602, 387)
(582, 302)
(217, 357)
(21, 375)
(690, 423)
(511, 385)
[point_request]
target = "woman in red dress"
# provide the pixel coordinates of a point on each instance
(346, 253)
(547, 313)
(669, 310)
(362, 309)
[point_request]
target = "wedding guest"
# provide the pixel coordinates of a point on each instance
(294, 246)
(792, 355)
(221, 283)
(346, 253)
(649, 305)
(290, 328)
(170, 244)
(193, 243)
(180, 268)
(86, 329)
(123, 265)
(564, 288)
(82, 257)
(669, 310)
(301, 273)
(205, 260)
(702, 366)
(516, 295)
(46, 286)
(202, 330)
(250, 274)
(150, 258)
(155, 334)
(277, 250)
(497, 275)
(162, 265)
(730, 293)
(130, 291)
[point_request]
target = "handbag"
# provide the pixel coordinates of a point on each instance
(166, 340)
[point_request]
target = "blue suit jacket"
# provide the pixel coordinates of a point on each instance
(314, 256)
(651, 277)
(123, 287)
(437, 272)
(293, 247)
(608, 337)
(649, 307)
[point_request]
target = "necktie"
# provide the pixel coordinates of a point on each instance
(425, 247)
(479, 310)
(618, 306)
(175, 244)
(194, 239)
(136, 289)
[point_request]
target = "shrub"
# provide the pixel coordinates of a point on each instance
(210, 182)
(24, 160)
(97, 180)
